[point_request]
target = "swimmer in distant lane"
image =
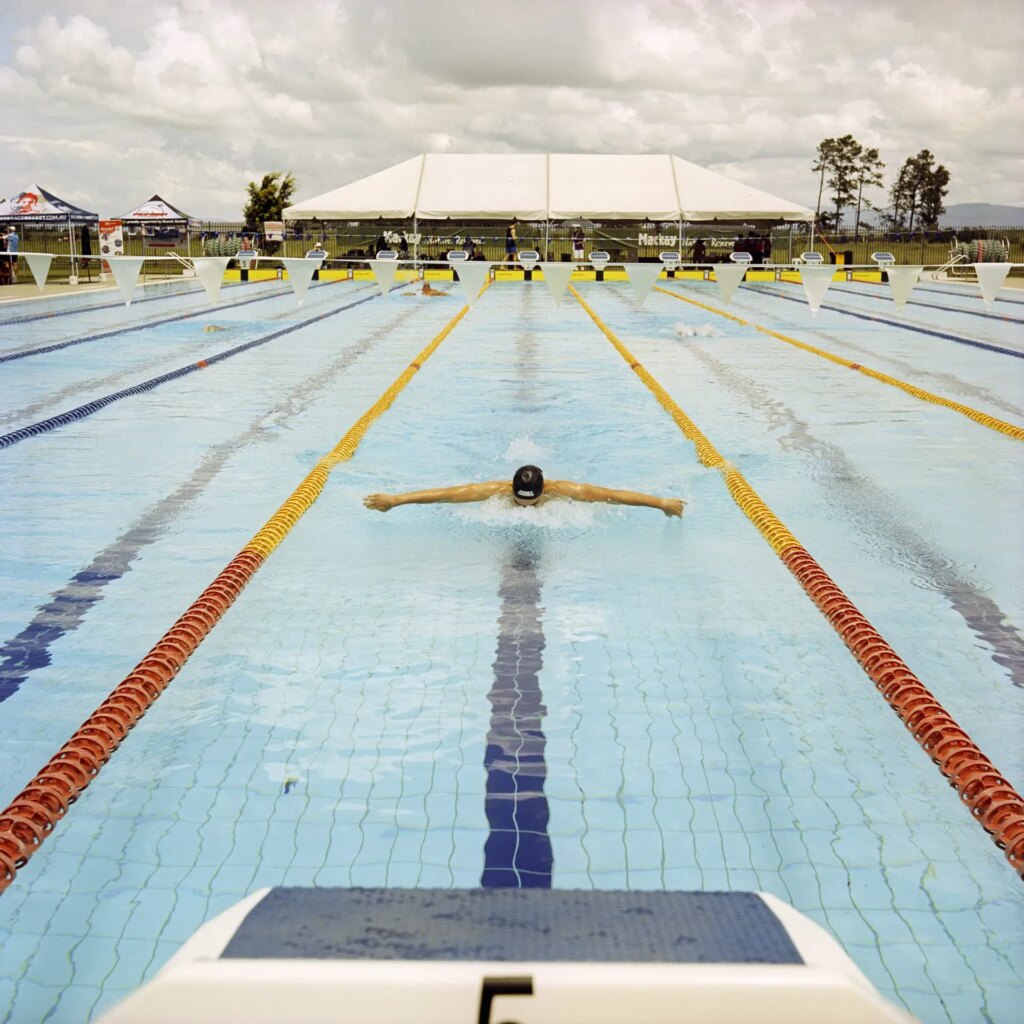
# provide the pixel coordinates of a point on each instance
(527, 487)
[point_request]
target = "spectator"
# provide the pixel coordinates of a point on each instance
(578, 240)
(12, 246)
(699, 252)
(511, 243)
(380, 245)
(403, 246)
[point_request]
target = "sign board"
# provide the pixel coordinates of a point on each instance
(111, 240)
(273, 230)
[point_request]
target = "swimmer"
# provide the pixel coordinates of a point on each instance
(528, 487)
(427, 289)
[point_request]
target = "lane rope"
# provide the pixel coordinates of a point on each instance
(986, 346)
(83, 411)
(992, 800)
(35, 811)
(11, 357)
(998, 425)
(32, 317)
(925, 305)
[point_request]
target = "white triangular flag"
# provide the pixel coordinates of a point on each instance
(556, 276)
(990, 278)
(384, 272)
(210, 271)
(642, 277)
(39, 264)
(472, 276)
(816, 281)
(901, 284)
(300, 273)
(126, 273)
(728, 276)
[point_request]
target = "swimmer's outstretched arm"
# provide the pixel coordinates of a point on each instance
(590, 492)
(462, 493)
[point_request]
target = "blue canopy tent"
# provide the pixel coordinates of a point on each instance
(35, 205)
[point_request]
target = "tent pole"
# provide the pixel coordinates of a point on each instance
(547, 224)
(71, 249)
(416, 244)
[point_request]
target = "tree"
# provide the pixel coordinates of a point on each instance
(268, 199)
(868, 172)
(899, 197)
(842, 178)
(821, 166)
(933, 191)
(918, 191)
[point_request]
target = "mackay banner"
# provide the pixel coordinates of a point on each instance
(111, 240)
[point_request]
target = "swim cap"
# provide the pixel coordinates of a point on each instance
(528, 483)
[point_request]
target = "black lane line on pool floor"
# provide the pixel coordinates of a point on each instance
(772, 293)
(517, 853)
(10, 357)
(32, 317)
(68, 607)
(83, 411)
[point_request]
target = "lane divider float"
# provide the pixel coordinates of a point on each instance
(11, 357)
(35, 811)
(992, 800)
(82, 411)
(986, 346)
(31, 317)
(1000, 426)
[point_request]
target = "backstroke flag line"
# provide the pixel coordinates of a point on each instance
(642, 277)
(556, 277)
(472, 276)
(901, 284)
(39, 264)
(990, 279)
(384, 272)
(126, 273)
(728, 276)
(300, 273)
(816, 281)
(210, 271)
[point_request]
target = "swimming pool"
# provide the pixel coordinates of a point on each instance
(569, 696)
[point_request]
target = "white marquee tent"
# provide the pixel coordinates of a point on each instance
(547, 186)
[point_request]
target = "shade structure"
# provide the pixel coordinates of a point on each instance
(159, 211)
(36, 205)
(548, 186)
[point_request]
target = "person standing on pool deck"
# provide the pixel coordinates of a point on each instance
(511, 243)
(528, 487)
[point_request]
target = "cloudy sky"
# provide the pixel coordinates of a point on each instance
(105, 103)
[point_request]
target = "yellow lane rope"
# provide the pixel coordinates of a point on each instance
(1001, 426)
(769, 525)
(280, 523)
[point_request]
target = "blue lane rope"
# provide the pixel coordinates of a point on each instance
(970, 295)
(932, 305)
(205, 311)
(896, 323)
(13, 321)
(82, 411)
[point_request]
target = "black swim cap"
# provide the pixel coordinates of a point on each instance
(528, 483)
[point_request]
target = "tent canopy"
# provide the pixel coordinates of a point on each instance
(37, 205)
(159, 211)
(547, 186)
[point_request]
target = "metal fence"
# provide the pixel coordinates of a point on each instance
(625, 241)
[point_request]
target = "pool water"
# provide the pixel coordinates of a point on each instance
(568, 696)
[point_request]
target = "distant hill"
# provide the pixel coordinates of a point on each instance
(982, 215)
(959, 215)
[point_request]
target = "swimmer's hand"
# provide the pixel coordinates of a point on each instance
(673, 506)
(380, 502)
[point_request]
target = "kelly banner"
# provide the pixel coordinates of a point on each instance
(111, 240)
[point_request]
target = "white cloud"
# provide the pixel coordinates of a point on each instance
(108, 102)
